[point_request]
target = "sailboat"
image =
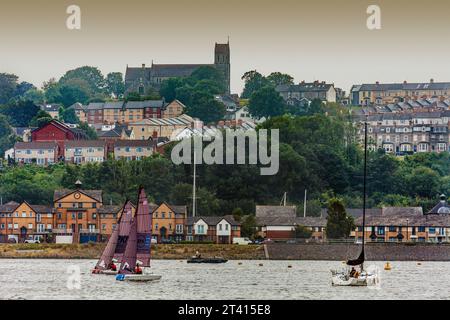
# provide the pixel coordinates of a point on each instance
(363, 278)
(138, 247)
(115, 247)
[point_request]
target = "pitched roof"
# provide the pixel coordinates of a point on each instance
(109, 209)
(35, 145)
(276, 211)
(94, 194)
(134, 143)
(85, 143)
(441, 208)
(401, 221)
(175, 70)
(212, 220)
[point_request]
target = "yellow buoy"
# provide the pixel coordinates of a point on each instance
(387, 266)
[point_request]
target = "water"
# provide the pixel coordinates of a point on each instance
(48, 279)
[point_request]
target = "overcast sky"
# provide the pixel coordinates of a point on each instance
(311, 40)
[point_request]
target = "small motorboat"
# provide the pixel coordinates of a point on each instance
(138, 277)
(206, 260)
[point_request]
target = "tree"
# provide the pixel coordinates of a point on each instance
(115, 83)
(254, 81)
(40, 119)
(278, 78)
(20, 112)
(169, 87)
(34, 95)
(22, 88)
(302, 232)
(205, 107)
(339, 224)
(248, 226)
(69, 116)
(266, 102)
(92, 76)
(8, 85)
(6, 135)
(90, 132)
(210, 75)
(51, 91)
(74, 90)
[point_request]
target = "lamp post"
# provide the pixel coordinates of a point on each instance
(407, 230)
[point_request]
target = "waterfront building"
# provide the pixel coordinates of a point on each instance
(383, 93)
(168, 222)
(51, 109)
(212, 229)
(144, 79)
(22, 221)
(76, 214)
(326, 92)
(40, 153)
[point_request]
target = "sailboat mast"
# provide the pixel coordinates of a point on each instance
(194, 187)
(304, 206)
(364, 187)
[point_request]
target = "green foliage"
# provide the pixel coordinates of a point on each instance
(339, 224)
(254, 81)
(115, 83)
(205, 107)
(248, 226)
(8, 85)
(40, 119)
(278, 78)
(90, 132)
(19, 112)
(266, 102)
(91, 77)
(302, 232)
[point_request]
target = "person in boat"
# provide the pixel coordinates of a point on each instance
(137, 269)
(198, 255)
(112, 266)
(353, 272)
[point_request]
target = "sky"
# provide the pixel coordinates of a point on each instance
(310, 40)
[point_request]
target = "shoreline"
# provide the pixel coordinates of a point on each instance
(278, 251)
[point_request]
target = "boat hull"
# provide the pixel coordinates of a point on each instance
(207, 260)
(346, 281)
(138, 277)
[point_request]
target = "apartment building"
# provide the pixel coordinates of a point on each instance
(40, 153)
(85, 151)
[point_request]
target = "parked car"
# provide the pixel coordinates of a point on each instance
(32, 241)
(243, 241)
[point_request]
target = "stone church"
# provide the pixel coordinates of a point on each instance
(143, 78)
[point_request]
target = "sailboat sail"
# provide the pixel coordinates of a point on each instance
(124, 230)
(144, 229)
(128, 262)
(108, 253)
(361, 258)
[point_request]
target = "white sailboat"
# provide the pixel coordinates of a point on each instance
(350, 276)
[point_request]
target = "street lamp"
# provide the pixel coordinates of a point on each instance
(407, 230)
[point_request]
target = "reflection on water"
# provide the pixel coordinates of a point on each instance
(49, 279)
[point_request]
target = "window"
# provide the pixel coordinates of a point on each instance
(49, 227)
(431, 230)
(220, 227)
(94, 205)
(156, 227)
(226, 227)
(10, 226)
(380, 230)
(74, 216)
(420, 229)
(392, 229)
(80, 215)
(30, 226)
(16, 226)
(2, 226)
(103, 226)
(24, 214)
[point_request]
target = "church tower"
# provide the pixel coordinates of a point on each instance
(222, 62)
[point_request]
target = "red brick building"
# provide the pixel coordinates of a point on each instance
(56, 131)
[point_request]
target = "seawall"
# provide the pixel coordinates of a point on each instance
(374, 252)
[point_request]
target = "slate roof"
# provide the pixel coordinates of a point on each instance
(400, 221)
(275, 211)
(441, 208)
(305, 87)
(95, 194)
(85, 144)
(35, 145)
(404, 86)
(9, 207)
(213, 220)
(134, 143)
(175, 70)
(109, 209)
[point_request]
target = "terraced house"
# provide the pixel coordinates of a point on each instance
(382, 93)
(19, 222)
(133, 149)
(84, 151)
(212, 229)
(168, 222)
(40, 153)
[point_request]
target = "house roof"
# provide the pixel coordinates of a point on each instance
(175, 70)
(84, 143)
(35, 145)
(212, 220)
(94, 194)
(134, 143)
(275, 211)
(441, 208)
(401, 221)
(109, 209)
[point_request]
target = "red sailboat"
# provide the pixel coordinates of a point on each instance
(116, 244)
(137, 253)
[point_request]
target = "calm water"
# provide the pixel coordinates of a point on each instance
(47, 279)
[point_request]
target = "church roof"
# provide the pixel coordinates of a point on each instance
(175, 70)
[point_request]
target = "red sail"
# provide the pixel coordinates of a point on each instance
(144, 229)
(108, 253)
(124, 230)
(128, 262)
